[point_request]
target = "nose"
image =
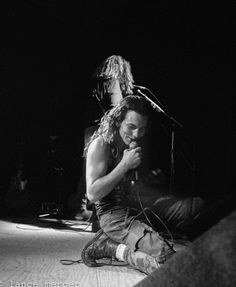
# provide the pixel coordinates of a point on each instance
(136, 134)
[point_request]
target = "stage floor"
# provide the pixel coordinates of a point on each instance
(31, 250)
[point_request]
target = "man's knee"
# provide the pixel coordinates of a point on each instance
(197, 206)
(177, 212)
(190, 210)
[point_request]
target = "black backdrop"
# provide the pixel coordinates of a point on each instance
(49, 50)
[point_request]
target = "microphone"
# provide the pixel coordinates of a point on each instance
(135, 176)
(140, 87)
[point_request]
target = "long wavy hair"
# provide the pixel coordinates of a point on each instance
(116, 67)
(110, 122)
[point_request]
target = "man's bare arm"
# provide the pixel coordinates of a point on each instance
(99, 182)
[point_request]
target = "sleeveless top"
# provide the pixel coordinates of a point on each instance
(121, 196)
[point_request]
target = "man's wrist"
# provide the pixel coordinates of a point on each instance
(124, 167)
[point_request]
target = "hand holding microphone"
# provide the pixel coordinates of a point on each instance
(132, 156)
(134, 145)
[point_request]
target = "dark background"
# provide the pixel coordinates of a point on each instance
(49, 50)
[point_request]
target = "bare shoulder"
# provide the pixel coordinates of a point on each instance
(99, 145)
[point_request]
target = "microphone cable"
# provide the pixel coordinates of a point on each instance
(143, 211)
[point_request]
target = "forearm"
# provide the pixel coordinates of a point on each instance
(102, 186)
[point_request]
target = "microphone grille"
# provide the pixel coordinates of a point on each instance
(133, 144)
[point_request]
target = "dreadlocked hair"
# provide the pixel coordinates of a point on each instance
(116, 67)
(110, 122)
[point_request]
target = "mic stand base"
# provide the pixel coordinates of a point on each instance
(47, 210)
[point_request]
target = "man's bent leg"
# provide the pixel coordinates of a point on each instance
(178, 213)
(104, 247)
(136, 234)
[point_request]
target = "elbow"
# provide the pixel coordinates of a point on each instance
(91, 197)
(94, 192)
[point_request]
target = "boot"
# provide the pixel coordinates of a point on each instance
(142, 261)
(99, 247)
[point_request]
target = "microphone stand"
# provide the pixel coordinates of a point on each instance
(159, 108)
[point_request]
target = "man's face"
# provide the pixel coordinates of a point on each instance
(133, 127)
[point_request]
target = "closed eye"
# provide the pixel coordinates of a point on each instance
(132, 127)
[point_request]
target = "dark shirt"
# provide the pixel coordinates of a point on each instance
(121, 196)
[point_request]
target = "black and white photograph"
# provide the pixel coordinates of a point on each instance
(116, 144)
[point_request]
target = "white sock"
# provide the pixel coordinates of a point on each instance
(120, 252)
